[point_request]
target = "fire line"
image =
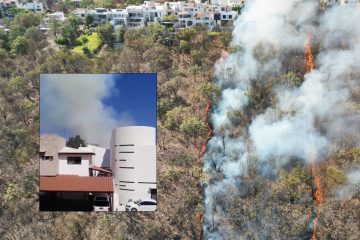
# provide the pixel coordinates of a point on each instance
(198, 215)
(317, 192)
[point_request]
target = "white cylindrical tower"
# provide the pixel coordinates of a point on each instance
(133, 163)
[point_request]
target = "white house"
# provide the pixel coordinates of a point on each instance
(133, 163)
(102, 15)
(73, 161)
(101, 157)
(119, 18)
(138, 16)
(31, 6)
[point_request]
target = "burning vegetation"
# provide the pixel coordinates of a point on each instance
(281, 124)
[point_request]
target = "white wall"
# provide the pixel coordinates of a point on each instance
(75, 169)
(133, 177)
(101, 157)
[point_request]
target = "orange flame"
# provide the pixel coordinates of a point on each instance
(309, 58)
(210, 131)
(318, 195)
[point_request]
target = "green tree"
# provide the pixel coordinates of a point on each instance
(35, 38)
(106, 34)
(225, 39)
(55, 26)
(158, 57)
(89, 20)
(19, 45)
(171, 18)
(174, 118)
(4, 40)
(156, 30)
(76, 142)
(209, 90)
(121, 34)
(163, 106)
(66, 61)
(87, 3)
(194, 127)
(26, 20)
(238, 8)
(70, 29)
(106, 3)
(65, 6)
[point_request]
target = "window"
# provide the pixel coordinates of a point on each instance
(74, 160)
(224, 16)
(153, 193)
(49, 158)
(230, 16)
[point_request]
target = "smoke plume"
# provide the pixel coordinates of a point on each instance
(301, 116)
(74, 102)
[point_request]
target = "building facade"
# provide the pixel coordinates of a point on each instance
(133, 164)
(50, 145)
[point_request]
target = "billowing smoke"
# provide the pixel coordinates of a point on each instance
(73, 103)
(271, 111)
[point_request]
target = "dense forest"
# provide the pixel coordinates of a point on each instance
(262, 204)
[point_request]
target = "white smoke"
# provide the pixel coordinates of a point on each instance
(305, 120)
(352, 187)
(74, 102)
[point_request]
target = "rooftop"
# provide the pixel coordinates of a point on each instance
(70, 183)
(80, 150)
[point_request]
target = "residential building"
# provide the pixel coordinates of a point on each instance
(138, 16)
(81, 13)
(119, 18)
(34, 6)
(50, 145)
(102, 15)
(125, 171)
(60, 16)
(5, 5)
(133, 163)
(75, 161)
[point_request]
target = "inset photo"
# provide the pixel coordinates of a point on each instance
(97, 142)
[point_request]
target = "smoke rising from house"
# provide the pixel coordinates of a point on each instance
(304, 114)
(74, 103)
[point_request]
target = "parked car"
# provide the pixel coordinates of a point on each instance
(141, 205)
(101, 204)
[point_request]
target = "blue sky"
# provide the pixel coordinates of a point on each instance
(136, 94)
(91, 105)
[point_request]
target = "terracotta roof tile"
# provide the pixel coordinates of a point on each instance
(69, 183)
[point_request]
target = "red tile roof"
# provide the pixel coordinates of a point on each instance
(69, 183)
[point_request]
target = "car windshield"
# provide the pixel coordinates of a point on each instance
(137, 201)
(100, 199)
(101, 203)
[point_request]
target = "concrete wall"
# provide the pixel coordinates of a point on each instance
(133, 162)
(50, 144)
(101, 157)
(75, 169)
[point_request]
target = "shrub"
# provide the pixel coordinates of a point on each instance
(194, 127)
(61, 40)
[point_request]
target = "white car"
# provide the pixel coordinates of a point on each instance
(101, 204)
(141, 205)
